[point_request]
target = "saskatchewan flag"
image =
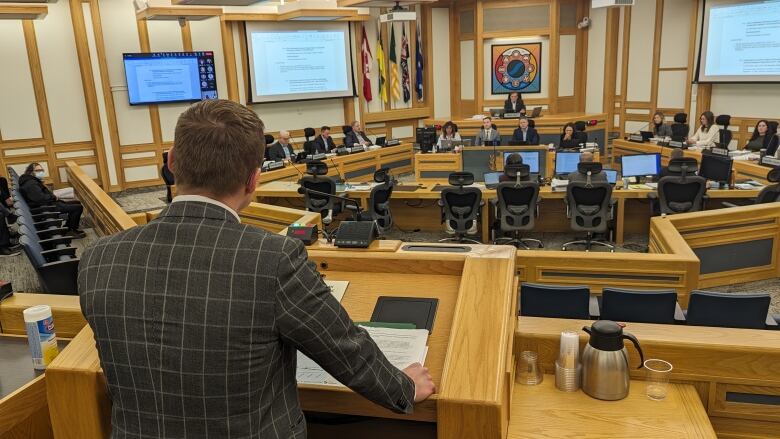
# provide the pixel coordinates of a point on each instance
(380, 60)
(395, 82)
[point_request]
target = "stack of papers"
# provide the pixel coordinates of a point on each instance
(401, 346)
(337, 288)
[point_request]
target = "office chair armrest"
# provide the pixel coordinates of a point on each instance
(652, 195)
(52, 243)
(53, 255)
(594, 309)
(52, 233)
(47, 223)
(679, 315)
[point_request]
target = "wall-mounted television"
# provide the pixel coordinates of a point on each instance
(162, 77)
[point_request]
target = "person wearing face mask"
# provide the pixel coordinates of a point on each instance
(7, 248)
(488, 134)
(37, 194)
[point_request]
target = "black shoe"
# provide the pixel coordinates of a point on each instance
(10, 251)
(76, 234)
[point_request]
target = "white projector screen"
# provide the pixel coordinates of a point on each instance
(299, 61)
(740, 41)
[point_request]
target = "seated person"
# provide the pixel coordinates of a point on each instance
(37, 194)
(587, 157)
(661, 129)
(281, 149)
(514, 103)
(323, 143)
(568, 138)
(676, 154)
(448, 132)
(356, 137)
(524, 134)
(7, 248)
(707, 134)
(762, 138)
(513, 159)
(488, 133)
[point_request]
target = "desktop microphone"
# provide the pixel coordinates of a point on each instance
(303, 190)
(338, 171)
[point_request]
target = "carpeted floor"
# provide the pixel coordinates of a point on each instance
(18, 270)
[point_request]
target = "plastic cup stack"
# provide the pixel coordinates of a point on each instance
(568, 368)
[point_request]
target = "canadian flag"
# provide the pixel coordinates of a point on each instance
(365, 51)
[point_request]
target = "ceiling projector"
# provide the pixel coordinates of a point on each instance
(398, 14)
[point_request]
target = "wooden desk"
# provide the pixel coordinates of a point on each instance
(549, 127)
(359, 165)
(543, 411)
(66, 310)
(731, 369)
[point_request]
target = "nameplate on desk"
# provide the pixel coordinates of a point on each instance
(770, 161)
(675, 144)
(720, 151)
(392, 142)
(663, 143)
(355, 149)
(273, 165)
(513, 115)
(636, 138)
(320, 156)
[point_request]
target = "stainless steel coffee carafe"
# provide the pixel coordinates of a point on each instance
(605, 361)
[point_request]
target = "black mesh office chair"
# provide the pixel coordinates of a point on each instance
(563, 302)
(269, 140)
(460, 205)
(317, 180)
(681, 192)
(639, 306)
(728, 310)
(167, 177)
(579, 132)
(588, 206)
(772, 130)
(769, 194)
(378, 208)
(308, 145)
(516, 208)
(725, 135)
(680, 128)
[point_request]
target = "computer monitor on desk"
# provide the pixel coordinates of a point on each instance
(530, 158)
(715, 167)
(611, 175)
(640, 165)
(566, 162)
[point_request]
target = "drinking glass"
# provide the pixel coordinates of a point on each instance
(528, 370)
(658, 373)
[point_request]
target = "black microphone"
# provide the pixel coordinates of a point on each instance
(342, 177)
(303, 190)
(372, 133)
(297, 170)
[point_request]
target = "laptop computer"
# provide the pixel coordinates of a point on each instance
(380, 141)
(646, 135)
(536, 112)
(611, 175)
(497, 113)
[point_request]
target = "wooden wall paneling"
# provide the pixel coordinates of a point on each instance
(229, 53)
(624, 71)
(88, 83)
(244, 66)
(40, 98)
(610, 64)
(659, 18)
(186, 37)
(154, 114)
(427, 39)
(703, 101)
(479, 57)
(691, 56)
(456, 109)
(554, 54)
(108, 97)
(581, 75)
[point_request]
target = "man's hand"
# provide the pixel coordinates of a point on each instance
(423, 384)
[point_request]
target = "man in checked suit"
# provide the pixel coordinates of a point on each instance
(198, 318)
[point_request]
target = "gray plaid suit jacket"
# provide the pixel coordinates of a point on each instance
(197, 320)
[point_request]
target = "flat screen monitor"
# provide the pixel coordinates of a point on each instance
(160, 77)
(640, 165)
(715, 167)
(566, 162)
(530, 158)
(611, 175)
(492, 178)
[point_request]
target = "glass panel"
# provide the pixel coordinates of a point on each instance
(517, 18)
(467, 22)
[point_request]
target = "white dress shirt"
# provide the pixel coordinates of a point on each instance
(202, 199)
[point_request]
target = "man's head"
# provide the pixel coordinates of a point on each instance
(355, 126)
(217, 149)
(487, 123)
(284, 137)
(523, 123)
(325, 131)
(586, 157)
(676, 154)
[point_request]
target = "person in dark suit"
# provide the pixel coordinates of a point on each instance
(524, 134)
(587, 157)
(323, 143)
(569, 139)
(37, 194)
(198, 319)
(281, 150)
(356, 136)
(514, 103)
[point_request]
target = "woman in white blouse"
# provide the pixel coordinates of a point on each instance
(448, 132)
(707, 134)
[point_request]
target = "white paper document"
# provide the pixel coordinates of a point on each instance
(337, 288)
(402, 347)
